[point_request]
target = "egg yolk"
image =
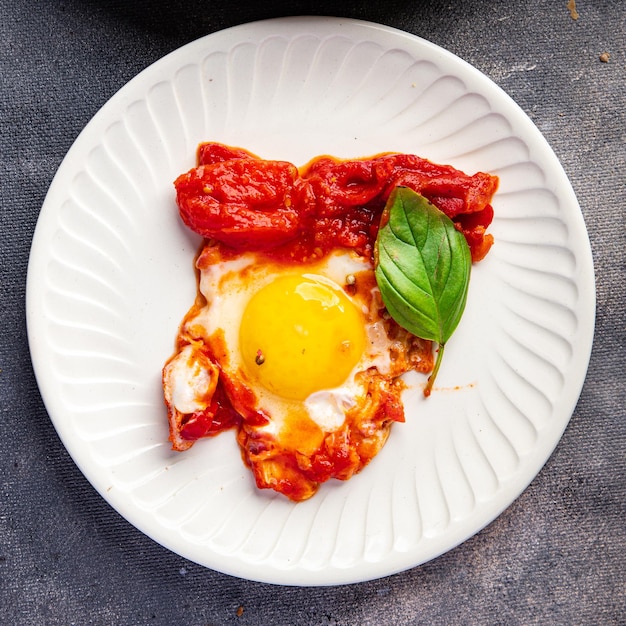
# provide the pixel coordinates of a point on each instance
(301, 334)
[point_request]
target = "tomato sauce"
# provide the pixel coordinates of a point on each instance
(249, 203)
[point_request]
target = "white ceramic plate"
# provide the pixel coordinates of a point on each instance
(111, 276)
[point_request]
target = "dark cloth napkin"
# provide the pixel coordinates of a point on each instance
(556, 556)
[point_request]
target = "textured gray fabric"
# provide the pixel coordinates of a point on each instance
(555, 556)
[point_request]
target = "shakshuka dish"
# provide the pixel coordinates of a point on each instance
(288, 343)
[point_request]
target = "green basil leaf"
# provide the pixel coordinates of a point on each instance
(423, 266)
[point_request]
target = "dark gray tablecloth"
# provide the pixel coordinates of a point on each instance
(555, 556)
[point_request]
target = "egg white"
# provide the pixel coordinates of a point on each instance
(230, 283)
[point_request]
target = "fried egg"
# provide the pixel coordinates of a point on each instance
(293, 335)
(307, 356)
